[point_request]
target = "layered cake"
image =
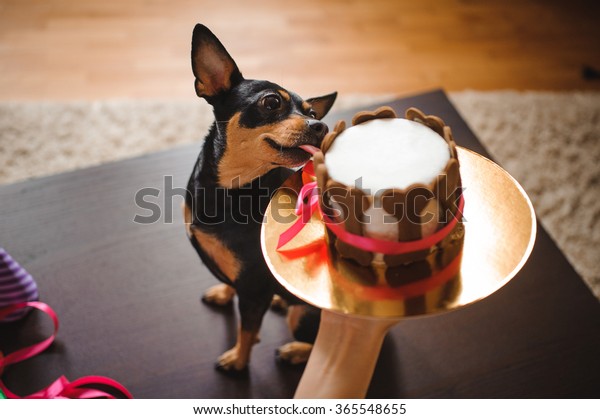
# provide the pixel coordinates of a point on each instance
(391, 180)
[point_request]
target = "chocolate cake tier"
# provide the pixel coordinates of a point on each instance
(397, 214)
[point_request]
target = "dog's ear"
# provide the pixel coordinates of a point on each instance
(215, 70)
(322, 104)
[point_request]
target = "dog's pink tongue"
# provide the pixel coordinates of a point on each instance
(311, 149)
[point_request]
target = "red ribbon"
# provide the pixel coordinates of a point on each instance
(61, 388)
(412, 289)
(308, 203)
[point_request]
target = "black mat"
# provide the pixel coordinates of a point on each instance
(128, 295)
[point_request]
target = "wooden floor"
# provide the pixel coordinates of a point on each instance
(96, 49)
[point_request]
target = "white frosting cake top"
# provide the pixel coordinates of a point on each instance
(387, 153)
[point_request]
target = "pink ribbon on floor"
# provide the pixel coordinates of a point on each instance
(61, 388)
(308, 203)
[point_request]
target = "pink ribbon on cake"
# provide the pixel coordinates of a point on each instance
(308, 203)
(61, 388)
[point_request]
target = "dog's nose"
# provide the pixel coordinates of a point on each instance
(317, 127)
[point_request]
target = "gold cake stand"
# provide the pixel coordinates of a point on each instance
(500, 228)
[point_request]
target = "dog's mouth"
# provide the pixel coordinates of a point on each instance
(295, 155)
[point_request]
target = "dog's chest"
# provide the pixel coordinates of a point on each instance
(226, 223)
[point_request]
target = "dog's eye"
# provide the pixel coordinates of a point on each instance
(271, 102)
(312, 114)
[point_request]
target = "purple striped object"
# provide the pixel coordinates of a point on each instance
(16, 285)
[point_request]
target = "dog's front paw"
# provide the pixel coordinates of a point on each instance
(219, 295)
(294, 353)
(232, 364)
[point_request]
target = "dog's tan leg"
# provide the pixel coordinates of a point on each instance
(237, 358)
(295, 353)
(294, 315)
(220, 295)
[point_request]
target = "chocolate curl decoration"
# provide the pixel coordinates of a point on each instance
(384, 112)
(444, 189)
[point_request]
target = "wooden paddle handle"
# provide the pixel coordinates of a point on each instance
(343, 358)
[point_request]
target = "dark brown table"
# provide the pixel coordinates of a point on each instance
(128, 294)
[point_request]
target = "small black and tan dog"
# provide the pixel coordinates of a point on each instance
(261, 132)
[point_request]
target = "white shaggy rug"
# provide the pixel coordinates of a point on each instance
(550, 142)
